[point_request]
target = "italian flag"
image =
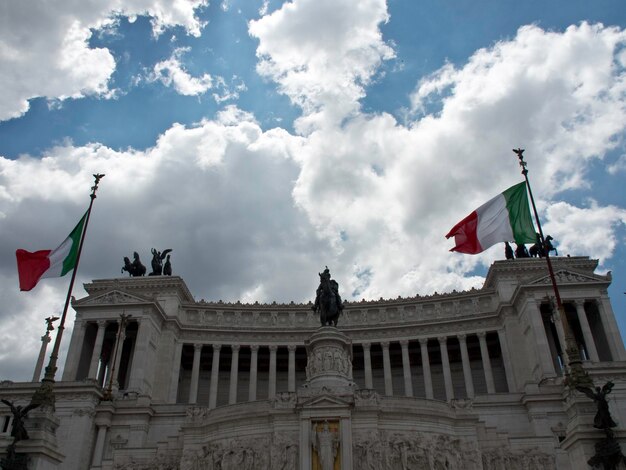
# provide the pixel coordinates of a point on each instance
(49, 263)
(504, 218)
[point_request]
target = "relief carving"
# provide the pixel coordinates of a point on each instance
(504, 459)
(406, 451)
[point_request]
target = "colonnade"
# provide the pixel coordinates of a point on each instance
(99, 368)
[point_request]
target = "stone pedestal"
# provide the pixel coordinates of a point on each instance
(329, 363)
(41, 446)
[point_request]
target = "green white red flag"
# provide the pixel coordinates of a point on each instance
(505, 218)
(32, 267)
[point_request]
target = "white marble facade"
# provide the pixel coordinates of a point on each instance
(465, 380)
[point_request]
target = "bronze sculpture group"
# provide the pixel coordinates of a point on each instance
(137, 269)
(19, 433)
(537, 250)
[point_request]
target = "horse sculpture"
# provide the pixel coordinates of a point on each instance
(327, 300)
(157, 261)
(136, 268)
(538, 250)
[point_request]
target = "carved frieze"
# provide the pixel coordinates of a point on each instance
(531, 459)
(389, 450)
(114, 297)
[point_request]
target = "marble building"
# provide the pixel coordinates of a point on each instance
(464, 380)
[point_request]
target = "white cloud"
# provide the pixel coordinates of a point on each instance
(172, 72)
(44, 50)
(322, 54)
(585, 230)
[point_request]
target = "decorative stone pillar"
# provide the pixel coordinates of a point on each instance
(467, 370)
(215, 376)
(74, 351)
(406, 368)
(45, 339)
(291, 378)
(387, 369)
(178, 352)
(584, 326)
(367, 360)
(506, 359)
(445, 364)
(271, 386)
(97, 350)
(118, 360)
(234, 370)
(195, 374)
(484, 353)
(428, 379)
(611, 330)
(103, 422)
(541, 345)
(329, 362)
(143, 357)
(560, 332)
(254, 354)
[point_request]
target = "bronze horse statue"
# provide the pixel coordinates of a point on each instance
(328, 301)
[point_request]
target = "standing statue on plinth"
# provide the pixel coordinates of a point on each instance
(327, 300)
(603, 419)
(326, 445)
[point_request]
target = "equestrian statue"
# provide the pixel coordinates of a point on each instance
(327, 300)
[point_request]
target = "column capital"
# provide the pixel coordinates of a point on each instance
(254, 348)
(217, 347)
(578, 302)
(423, 341)
(481, 334)
(235, 347)
(461, 337)
(198, 346)
(102, 323)
(404, 343)
(442, 339)
(384, 344)
(291, 347)
(273, 347)
(366, 346)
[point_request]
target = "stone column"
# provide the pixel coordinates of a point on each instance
(467, 370)
(97, 350)
(45, 339)
(541, 345)
(178, 352)
(611, 330)
(387, 369)
(484, 353)
(584, 326)
(271, 387)
(74, 351)
(215, 376)
(367, 360)
(291, 379)
(254, 354)
(428, 380)
(506, 359)
(234, 370)
(560, 332)
(118, 360)
(98, 450)
(445, 364)
(142, 366)
(195, 374)
(406, 368)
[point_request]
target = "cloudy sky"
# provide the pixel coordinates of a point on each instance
(262, 140)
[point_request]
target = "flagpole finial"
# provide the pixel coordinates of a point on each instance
(94, 188)
(520, 155)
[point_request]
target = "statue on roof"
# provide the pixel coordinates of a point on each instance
(327, 299)
(134, 269)
(157, 261)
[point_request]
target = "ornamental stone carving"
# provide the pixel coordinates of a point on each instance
(503, 458)
(405, 451)
(328, 359)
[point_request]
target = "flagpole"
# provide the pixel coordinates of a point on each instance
(576, 375)
(44, 395)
